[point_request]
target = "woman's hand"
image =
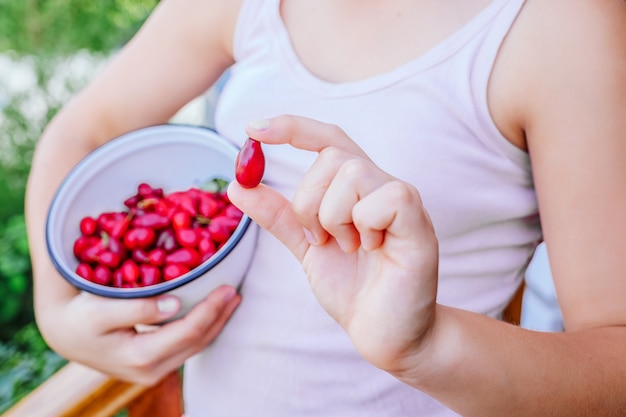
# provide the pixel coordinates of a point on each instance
(363, 237)
(101, 333)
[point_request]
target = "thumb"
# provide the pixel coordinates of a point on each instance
(272, 211)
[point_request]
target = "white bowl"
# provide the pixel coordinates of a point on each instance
(173, 157)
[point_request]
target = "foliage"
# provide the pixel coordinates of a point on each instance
(44, 37)
(25, 363)
(65, 26)
(16, 308)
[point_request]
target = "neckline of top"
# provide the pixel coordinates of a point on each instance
(434, 55)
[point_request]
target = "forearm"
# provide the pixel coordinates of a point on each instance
(75, 131)
(482, 367)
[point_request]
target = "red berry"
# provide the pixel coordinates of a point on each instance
(150, 275)
(151, 220)
(185, 256)
(187, 237)
(85, 271)
(88, 226)
(102, 275)
(250, 164)
(157, 256)
(130, 271)
(172, 271)
(109, 259)
(139, 237)
(181, 219)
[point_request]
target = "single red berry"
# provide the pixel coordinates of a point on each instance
(81, 244)
(150, 275)
(118, 278)
(187, 237)
(181, 219)
(250, 164)
(185, 256)
(130, 271)
(109, 259)
(208, 205)
(151, 220)
(139, 237)
(88, 226)
(102, 275)
(172, 271)
(85, 271)
(156, 257)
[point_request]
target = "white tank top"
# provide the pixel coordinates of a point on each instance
(426, 122)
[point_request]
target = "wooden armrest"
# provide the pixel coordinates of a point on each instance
(513, 312)
(79, 391)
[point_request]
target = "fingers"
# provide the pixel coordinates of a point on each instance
(355, 179)
(394, 211)
(176, 341)
(302, 133)
(108, 314)
(153, 354)
(273, 212)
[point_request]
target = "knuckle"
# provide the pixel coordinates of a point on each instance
(399, 192)
(140, 361)
(334, 130)
(353, 169)
(332, 155)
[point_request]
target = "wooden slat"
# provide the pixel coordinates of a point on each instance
(163, 400)
(513, 312)
(78, 391)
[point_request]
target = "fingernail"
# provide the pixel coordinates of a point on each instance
(310, 237)
(232, 291)
(260, 124)
(167, 305)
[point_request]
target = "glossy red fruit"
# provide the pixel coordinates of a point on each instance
(150, 275)
(250, 164)
(185, 256)
(88, 226)
(172, 271)
(109, 259)
(187, 237)
(152, 220)
(85, 271)
(102, 275)
(130, 271)
(156, 257)
(140, 237)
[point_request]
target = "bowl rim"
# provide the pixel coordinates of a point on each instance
(163, 287)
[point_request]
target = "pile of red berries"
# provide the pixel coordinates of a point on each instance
(157, 236)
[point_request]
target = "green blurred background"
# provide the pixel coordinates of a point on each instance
(48, 50)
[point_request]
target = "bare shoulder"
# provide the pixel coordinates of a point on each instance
(566, 63)
(557, 53)
(201, 22)
(573, 48)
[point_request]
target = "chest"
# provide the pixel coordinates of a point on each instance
(348, 40)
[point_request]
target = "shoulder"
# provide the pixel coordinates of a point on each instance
(558, 53)
(203, 24)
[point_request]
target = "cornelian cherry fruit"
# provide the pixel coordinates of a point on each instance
(157, 237)
(250, 164)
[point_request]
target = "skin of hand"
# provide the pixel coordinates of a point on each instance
(363, 237)
(128, 94)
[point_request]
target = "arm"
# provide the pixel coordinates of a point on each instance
(181, 50)
(571, 89)
(357, 231)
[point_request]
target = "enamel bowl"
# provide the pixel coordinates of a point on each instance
(172, 157)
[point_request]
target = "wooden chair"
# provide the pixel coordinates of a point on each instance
(78, 391)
